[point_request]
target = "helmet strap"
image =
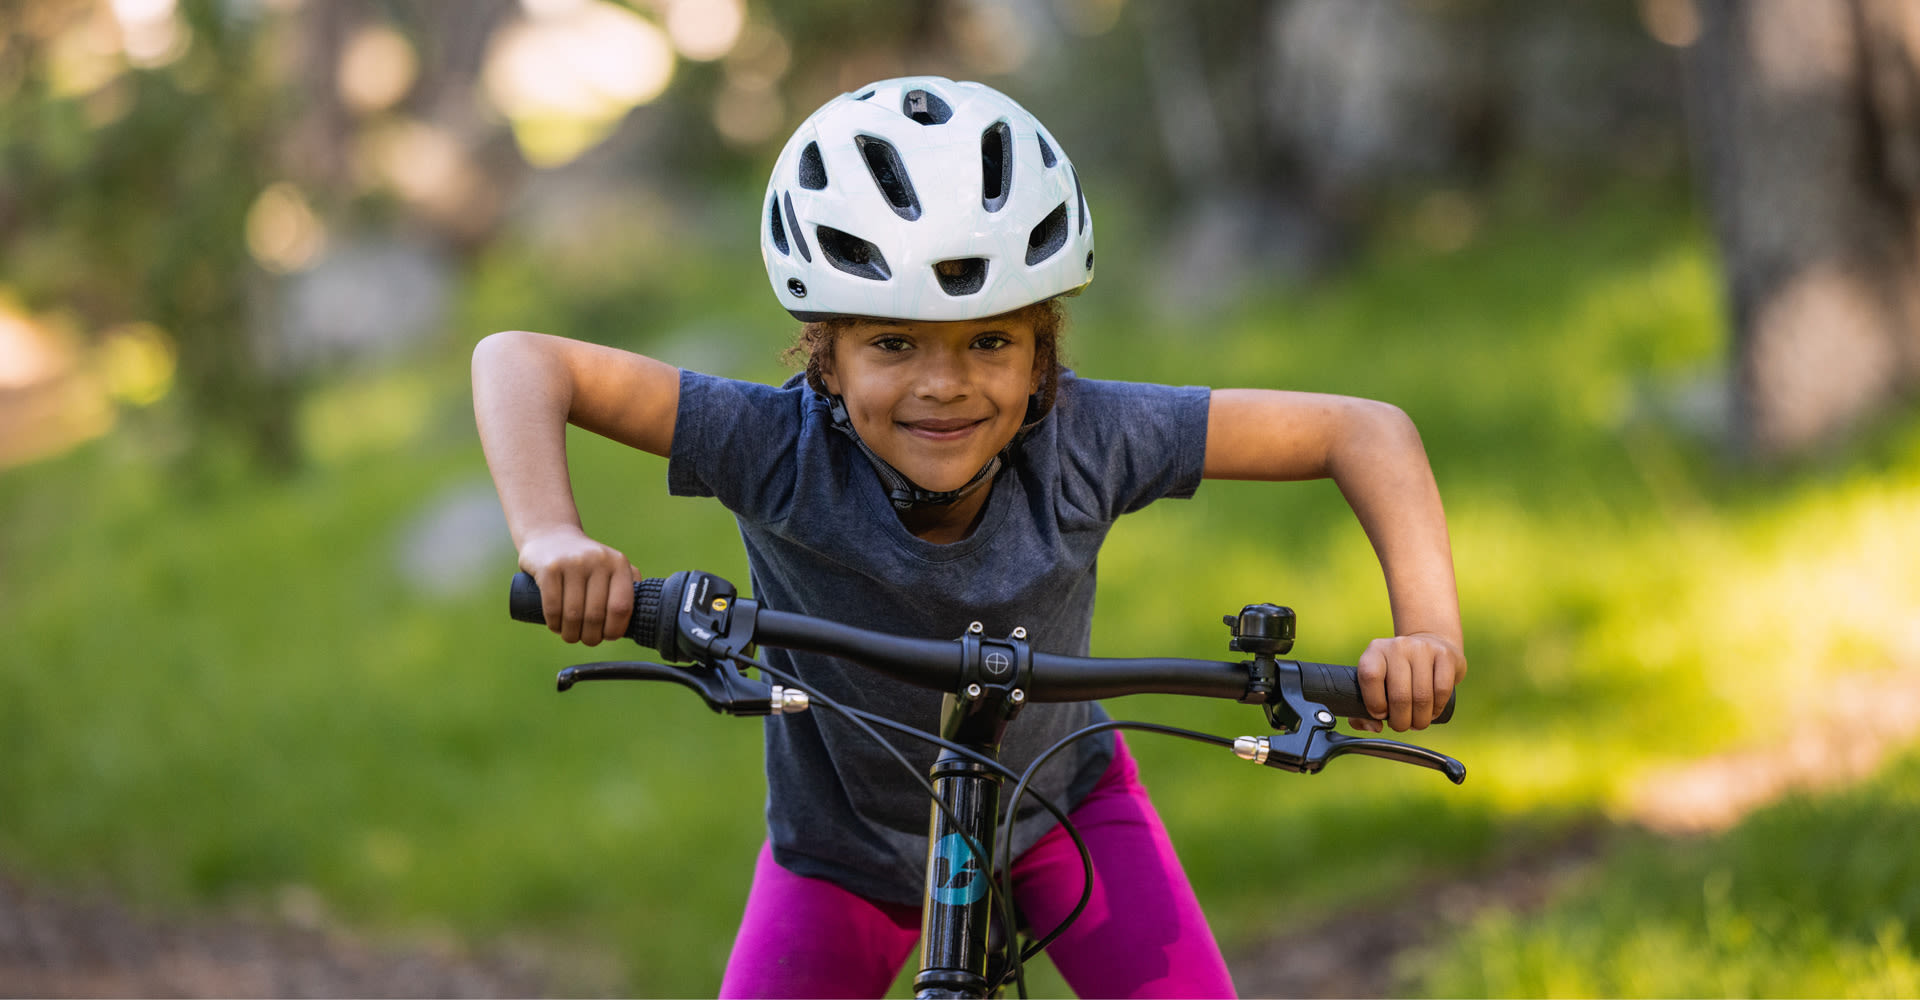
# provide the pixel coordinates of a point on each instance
(904, 493)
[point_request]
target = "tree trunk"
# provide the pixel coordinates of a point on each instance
(1809, 149)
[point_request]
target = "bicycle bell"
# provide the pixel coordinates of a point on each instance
(1261, 629)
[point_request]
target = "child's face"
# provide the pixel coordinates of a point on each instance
(935, 400)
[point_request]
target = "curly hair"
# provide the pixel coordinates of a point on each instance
(812, 350)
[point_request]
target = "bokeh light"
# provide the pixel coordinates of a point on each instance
(425, 164)
(761, 57)
(28, 354)
(565, 76)
(136, 362)
(49, 401)
(1671, 22)
(283, 233)
(151, 31)
(84, 57)
(705, 30)
(377, 68)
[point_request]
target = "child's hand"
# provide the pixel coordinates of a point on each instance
(1407, 680)
(586, 588)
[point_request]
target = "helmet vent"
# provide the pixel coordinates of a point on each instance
(964, 276)
(864, 96)
(813, 173)
(799, 238)
(1046, 151)
(850, 253)
(926, 108)
(996, 166)
(883, 161)
(775, 228)
(1082, 197)
(1048, 237)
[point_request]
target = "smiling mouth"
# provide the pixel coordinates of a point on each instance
(945, 429)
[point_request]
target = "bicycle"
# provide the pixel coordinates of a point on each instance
(699, 619)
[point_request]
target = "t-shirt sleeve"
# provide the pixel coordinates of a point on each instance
(1124, 445)
(734, 441)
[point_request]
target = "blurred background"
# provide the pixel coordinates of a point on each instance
(1645, 272)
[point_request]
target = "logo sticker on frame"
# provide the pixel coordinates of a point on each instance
(957, 879)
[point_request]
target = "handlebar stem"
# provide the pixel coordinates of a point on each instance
(995, 675)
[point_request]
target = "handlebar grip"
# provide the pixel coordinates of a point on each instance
(645, 627)
(1337, 686)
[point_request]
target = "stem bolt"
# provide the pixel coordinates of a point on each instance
(1017, 696)
(973, 690)
(976, 628)
(1019, 631)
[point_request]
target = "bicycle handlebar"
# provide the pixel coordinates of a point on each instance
(938, 664)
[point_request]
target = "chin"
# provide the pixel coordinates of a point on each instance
(942, 483)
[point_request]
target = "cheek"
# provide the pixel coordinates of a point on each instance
(870, 401)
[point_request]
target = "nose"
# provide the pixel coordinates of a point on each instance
(945, 375)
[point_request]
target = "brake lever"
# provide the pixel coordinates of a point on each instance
(725, 690)
(1308, 740)
(1338, 744)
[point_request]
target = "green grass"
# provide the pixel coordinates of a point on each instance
(1817, 896)
(220, 693)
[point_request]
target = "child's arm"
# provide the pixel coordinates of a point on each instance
(1372, 451)
(526, 388)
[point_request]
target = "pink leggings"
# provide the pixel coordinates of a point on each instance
(1141, 935)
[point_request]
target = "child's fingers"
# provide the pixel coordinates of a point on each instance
(572, 610)
(620, 600)
(1399, 689)
(1407, 680)
(1445, 675)
(552, 598)
(1420, 674)
(1373, 681)
(593, 611)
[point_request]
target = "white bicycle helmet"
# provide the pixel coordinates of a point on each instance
(922, 198)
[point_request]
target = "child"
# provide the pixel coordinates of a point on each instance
(936, 465)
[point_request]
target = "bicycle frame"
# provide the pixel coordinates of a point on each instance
(956, 915)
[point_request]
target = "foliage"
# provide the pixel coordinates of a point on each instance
(128, 203)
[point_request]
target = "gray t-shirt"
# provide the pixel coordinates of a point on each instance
(821, 539)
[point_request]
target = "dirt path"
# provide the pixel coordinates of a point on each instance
(55, 945)
(1354, 953)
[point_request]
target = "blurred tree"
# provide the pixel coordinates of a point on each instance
(124, 195)
(461, 206)
(1282, 123)
(1809, 135)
